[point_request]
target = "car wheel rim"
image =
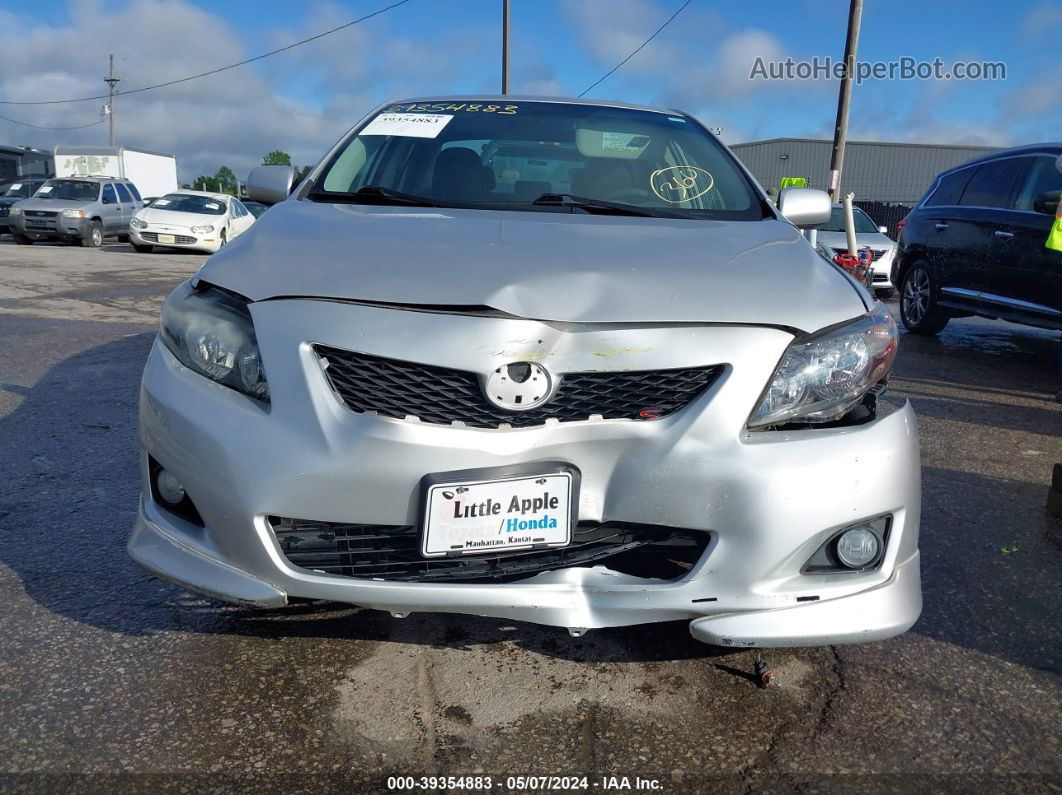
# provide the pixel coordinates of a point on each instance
(916, 296)
(97, 237)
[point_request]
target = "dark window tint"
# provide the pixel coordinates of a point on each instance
(134, 191)
(950, 189)
(123, 194)
(997, 184)
(1044, 177)
(108, 194)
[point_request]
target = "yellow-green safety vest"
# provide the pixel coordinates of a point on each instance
(1054, 240)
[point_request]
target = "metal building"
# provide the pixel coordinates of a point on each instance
(886, 178)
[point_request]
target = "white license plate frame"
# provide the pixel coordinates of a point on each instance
(548, 525)
(167, 239)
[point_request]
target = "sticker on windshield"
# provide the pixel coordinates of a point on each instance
(16, 186)
(45, 189)
(212, 206)
(161, 202)
(409, 125)
(444, 107)
(680, 183)
(623, 142)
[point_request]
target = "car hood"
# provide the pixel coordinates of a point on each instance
(53, 204)
(840, 240)
(546, 266)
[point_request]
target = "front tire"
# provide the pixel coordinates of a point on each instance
(22, 240)
(918, 303)
(885, 294)
(93, 235)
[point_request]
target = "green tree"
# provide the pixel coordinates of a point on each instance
(277, 158)
(226, 180)
(300, 175)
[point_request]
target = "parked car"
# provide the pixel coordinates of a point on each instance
(189, 219)
(549, 360)
(83, 209)
(868, 235)
(974, 244)
(16, 192)
(256, 208)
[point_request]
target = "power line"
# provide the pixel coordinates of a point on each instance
(37, 127)
(213, 71)
(658, 30)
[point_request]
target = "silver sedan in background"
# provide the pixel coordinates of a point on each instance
(554, 361)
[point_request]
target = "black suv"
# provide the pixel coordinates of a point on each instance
(974, 244)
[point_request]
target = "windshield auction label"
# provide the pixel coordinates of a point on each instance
(409, 125)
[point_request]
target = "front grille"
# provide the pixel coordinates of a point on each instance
(392, 552)
(4, 211)
(153, 237)
(881, 277)
(41, 214)
(440, 395)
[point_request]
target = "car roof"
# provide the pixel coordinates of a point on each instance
(206, 193)
(93, 178)
(1047, 148)
(504, 99)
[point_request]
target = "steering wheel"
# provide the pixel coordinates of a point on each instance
(628, 195)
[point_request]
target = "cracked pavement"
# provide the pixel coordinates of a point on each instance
(112, 679)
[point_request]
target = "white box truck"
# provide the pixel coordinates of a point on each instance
(154, 174)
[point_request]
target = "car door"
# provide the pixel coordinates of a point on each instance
(940, 225)
(111, 211)
(994, 185)
(125, 201)
(1025, 277)
(242, 216)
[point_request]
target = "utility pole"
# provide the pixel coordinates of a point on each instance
(840, 132)
(505, 46)
(111, 82)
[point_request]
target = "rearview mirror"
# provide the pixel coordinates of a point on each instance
(1047, 202)
(270, 184)
(805, 207)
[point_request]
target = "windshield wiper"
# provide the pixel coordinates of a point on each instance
(590, 205)
(374, 194)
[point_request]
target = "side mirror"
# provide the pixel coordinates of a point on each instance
(106, 200)
(805, 207)
(1047, 202)
(883, 229)
(270, 184)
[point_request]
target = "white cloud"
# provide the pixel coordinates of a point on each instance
(1041, 20)
(300, 101)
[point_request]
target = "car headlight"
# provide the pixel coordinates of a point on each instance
(203, 230)
(16, 210)
(73, 213)
(210, 331)
(822, 377)
(136, 223)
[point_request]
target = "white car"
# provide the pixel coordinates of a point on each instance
(868, 234)
(189, 219)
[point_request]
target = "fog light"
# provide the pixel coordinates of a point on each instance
(170, 489)
(857, 547)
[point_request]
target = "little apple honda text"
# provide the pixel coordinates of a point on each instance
(558, 361)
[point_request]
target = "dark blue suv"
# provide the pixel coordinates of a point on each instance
(974, 244)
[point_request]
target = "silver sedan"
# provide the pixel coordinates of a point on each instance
(552, 361)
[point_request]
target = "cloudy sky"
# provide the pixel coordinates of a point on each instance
(303, 100)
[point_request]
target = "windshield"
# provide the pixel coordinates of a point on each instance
(505, 156)
(863, 222)
(185, 203)
(69, 190)
(19, 190)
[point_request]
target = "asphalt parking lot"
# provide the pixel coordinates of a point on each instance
(112, 679)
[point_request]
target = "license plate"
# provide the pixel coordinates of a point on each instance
(167, 239)
(477, 517)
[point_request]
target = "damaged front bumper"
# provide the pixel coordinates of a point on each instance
(763, 502)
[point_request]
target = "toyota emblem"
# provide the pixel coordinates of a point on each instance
(518, 386)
